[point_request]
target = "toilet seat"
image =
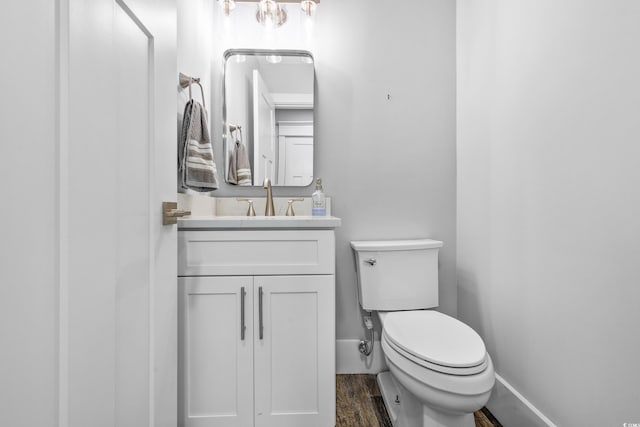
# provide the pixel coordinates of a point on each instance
(435, 341)
(433, 366)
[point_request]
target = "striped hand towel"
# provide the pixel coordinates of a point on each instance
(197, 167)
(239, 167)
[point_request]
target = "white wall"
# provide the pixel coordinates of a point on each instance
(389, 164)
(194, 41)
(548, 224)
(240, 104)
(290, 76)
(194, 45)
(28, 240)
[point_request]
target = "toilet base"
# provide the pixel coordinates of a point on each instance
(389, 391)
(406, 411)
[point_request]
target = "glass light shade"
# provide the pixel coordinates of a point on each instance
(271, 14)
(227, 6)
(308, 7)
(265, 13)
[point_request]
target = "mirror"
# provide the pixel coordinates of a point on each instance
(268, 117)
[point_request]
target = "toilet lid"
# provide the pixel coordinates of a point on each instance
(435, 337)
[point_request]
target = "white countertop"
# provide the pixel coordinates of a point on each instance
(258, 222)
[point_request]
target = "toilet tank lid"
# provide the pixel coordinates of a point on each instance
(395, 245)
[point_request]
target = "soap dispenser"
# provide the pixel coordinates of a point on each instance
(319, 200)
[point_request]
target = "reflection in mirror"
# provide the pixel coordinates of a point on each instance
(268, 117)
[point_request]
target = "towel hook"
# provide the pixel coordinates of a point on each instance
(187, 81)
(235, 128)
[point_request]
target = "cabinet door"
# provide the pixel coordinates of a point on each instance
(215, 362)
(295, 357)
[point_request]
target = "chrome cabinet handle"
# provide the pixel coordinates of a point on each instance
(371, 261)
(242, 325)
(260, 311)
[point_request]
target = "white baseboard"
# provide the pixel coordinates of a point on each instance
(512, 409)
(350, 361)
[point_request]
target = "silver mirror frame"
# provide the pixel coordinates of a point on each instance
(225, 126)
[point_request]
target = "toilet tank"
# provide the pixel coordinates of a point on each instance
(397, 274)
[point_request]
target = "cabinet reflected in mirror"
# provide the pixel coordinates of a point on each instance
(268, 117)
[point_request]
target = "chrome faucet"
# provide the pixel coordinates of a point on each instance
(268, 209)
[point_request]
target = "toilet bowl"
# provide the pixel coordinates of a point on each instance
(439, 369)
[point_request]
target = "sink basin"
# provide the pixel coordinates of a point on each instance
(258, 222)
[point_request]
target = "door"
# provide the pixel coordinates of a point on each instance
(264, 131)
(216, 357)
(118, 294)
(294, 356)
(298, 160)
(295, 158)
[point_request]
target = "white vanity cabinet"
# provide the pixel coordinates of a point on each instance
(279, 285)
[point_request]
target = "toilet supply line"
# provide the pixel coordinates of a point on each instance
(366, 346)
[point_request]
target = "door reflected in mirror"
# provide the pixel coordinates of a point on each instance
(268, 117)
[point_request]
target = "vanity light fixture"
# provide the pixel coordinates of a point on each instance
(271, 13)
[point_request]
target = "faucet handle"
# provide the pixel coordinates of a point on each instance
(290, 211)
(251, 211)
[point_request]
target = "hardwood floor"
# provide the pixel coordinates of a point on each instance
(359, 404)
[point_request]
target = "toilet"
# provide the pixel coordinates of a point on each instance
(439, 369)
